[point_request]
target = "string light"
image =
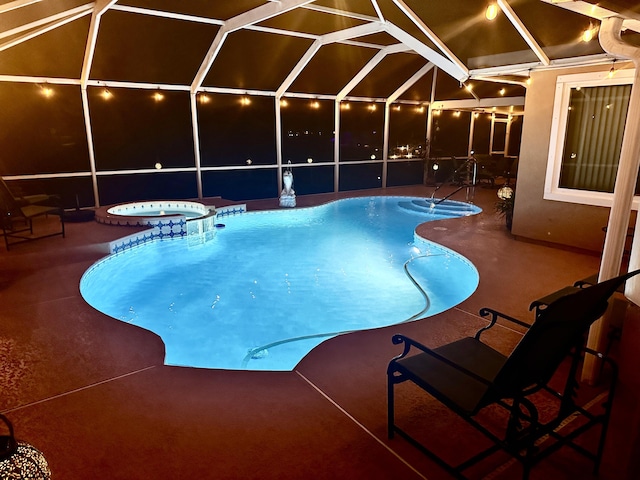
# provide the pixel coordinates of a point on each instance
(612, 71)
(106, 94)
(158, 97)
(284, 103)
(528, 81)
(244, 101)
(46, 91)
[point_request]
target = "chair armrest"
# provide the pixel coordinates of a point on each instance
(408, 343)
(495, 315)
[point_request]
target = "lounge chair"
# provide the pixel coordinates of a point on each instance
(468, 375)
(22, 210)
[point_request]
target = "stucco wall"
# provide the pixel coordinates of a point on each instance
(546, 220)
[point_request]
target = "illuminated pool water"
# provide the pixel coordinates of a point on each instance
(272, 285)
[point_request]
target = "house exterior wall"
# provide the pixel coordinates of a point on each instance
(567, 224)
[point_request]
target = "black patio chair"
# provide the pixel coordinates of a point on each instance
(17, 214)
(468, 375)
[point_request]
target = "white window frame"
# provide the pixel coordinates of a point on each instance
(564, 84)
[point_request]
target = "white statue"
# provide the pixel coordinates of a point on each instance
(288, 195)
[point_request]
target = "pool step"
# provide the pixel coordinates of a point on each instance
(446, 208)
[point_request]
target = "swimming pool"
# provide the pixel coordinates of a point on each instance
(273, 285)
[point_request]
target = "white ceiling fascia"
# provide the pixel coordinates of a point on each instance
(482, 103)
(430, 34)
(523, 31)
(371, 64)
(453, 69)
(258, 14)
(406, 85)
(631, 19)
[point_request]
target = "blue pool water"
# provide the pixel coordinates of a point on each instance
(273, 285)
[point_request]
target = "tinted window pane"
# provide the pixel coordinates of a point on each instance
(157, 186)
(307, 130)
(237, 130)
(407, 131)
(41, 129)
(450, 134)
(359, 177)
(361, 131)
(241, 184)
(136, 129)
(310, 180)
(405, 173)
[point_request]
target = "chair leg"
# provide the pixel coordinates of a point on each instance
(390, 408)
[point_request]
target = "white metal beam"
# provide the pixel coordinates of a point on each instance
(7, 7)
(375, 60)
(256, 15)
(43, 25)
(431, 35)
(353, 32)
(406, 85)
(100, 7)
(453, 69)
(523, 31)
(302, 63)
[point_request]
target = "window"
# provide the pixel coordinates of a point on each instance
(589, 116)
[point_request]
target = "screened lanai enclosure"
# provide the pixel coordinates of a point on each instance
(121, 100)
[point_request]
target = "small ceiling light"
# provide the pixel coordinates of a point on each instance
(397, 108)
(469, 87)
(106, 94)
(244, 101)
(204, 98)
(502, 91)
(528, 81)
(345, 106)
(158, 97)
(372, 107)
(309, 160)
(456, 113)
(158, 166)
(284, 103)
(249, 161)
(315, 104)
(420, 109)
(491, 12)
(47, 91)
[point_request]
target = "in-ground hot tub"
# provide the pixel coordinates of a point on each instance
(148, 213)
